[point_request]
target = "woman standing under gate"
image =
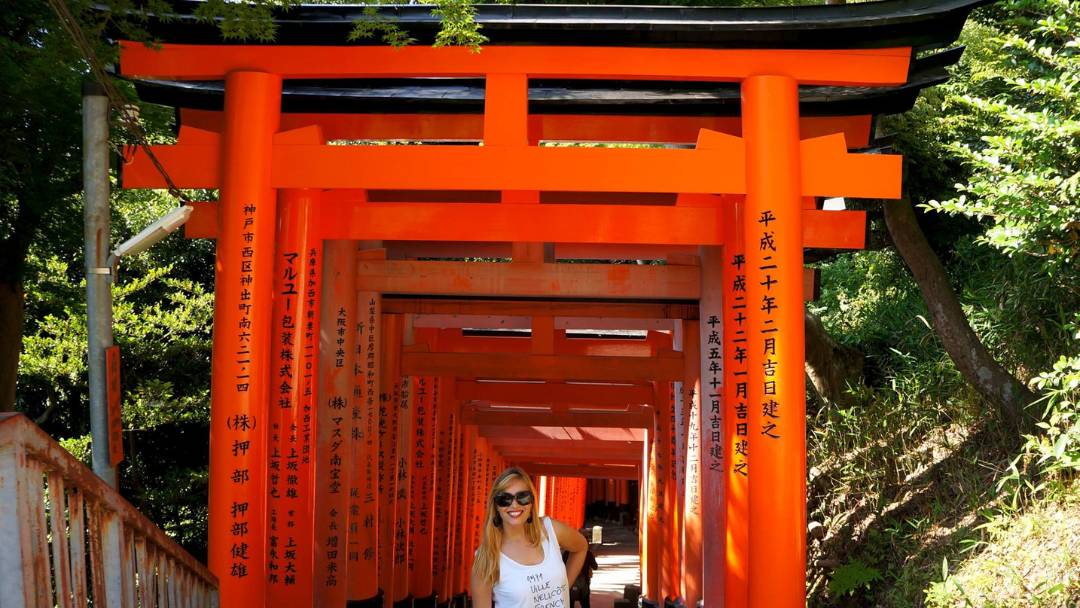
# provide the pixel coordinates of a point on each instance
(519, 561)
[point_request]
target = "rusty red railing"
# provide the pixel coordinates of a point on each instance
(69, 540)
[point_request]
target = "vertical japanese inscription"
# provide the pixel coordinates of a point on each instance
(241, 375)
(735, 311)
(712, 381)
(363, 494)
(243, 426)
(406, 403)
(693, 447)
(334, 422)
(768, 334)
(297, 287)
(283, 437)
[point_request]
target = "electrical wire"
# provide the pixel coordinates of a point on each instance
(124, 113)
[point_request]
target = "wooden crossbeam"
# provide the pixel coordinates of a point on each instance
(549, 127)
(580, 231)
(499, 249)
(570, 451)
(553, 308)
(448, 342)
(533, 437)
(523, 323)
(865, 67)
(571, 223)
(543, 367)
(526, 394)
(559, 445)
(598, 460)
(525, 168)
(585, 470)
(638, 418)
(527, 280)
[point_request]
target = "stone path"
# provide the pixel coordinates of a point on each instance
(619, 563)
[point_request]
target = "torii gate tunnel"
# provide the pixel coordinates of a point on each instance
(394, 324)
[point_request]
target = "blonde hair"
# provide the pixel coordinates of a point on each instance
(486, 564)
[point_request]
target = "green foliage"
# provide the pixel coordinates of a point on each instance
(869, 300)
(1018, 118)
(1029, 558)
(254, 21)
(1058, 448)
(851, 577)
(243, 20)
(163, 312)
(79, 447)
(995, 152)
(39, 163)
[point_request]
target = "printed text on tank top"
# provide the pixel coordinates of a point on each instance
(539, 585)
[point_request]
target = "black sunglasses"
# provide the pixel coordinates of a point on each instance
(505, 499)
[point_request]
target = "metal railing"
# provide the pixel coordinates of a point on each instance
(69, 540)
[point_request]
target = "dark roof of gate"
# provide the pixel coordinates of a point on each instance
(466, 96)
(923, 24)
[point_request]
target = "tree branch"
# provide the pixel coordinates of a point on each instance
(971, 357)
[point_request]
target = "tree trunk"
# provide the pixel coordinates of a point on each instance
(11, 330)
(829, 364)
(968, 353)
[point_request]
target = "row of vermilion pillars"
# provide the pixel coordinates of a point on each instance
(323, 456)
(672, 501)
(354, 510)
(563, 498)
(615, 492)
(318, 491)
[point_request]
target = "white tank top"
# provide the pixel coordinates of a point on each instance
(540, 586)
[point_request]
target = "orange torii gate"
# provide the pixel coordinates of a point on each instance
(369, 381)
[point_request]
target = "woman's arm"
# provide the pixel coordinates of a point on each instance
(481, 592)
(571, 540)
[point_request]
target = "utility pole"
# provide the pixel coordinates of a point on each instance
(95, 109)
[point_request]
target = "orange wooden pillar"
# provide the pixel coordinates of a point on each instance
(407, 406)
(541, 483)
(425, 443)
(669, 516)
(363, 564)
(463, 560)
(561, 492)
(479, 489)
(643, 499)
(555, 505)
(389, 404)
(711, 418)
(241, 380)
(580, 508)
(292, 414)
(650, 568)
(692, 540)
(572, 502)
(678, 459)
(735, 413)
(468, 460)
(333, 460)
(445, 490)
(776, 393)
(453, 560)
(565, 493)
(550, 497)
